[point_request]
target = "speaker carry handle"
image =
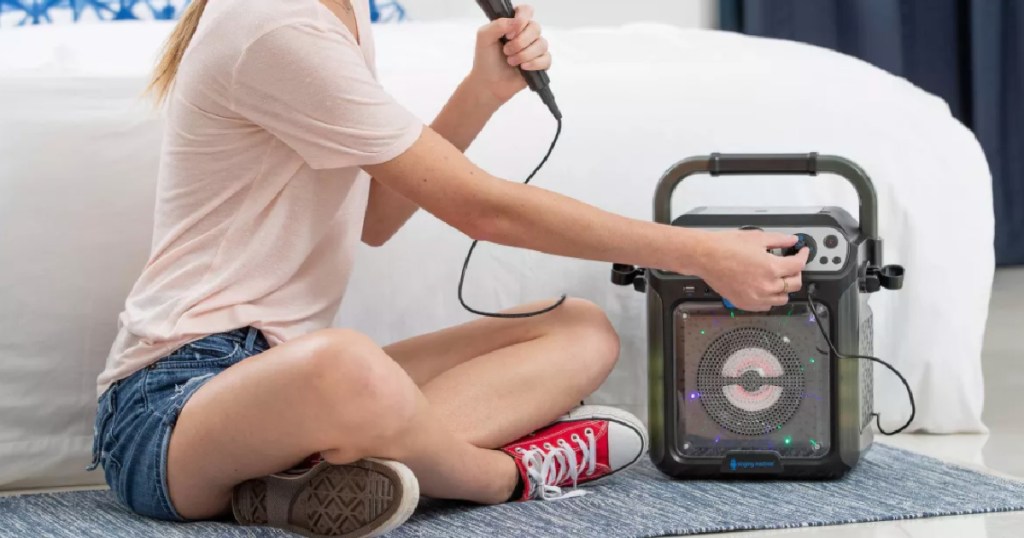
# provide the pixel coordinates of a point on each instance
(811, 164)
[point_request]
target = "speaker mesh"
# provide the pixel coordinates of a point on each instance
(867, 378)
(744, 369)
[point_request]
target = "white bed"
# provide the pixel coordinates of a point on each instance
(78, 152)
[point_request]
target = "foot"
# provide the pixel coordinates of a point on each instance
(588, 444)
(363, 499)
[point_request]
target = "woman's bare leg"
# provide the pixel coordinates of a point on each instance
(492, 381)
(333, 392)
(336, 392)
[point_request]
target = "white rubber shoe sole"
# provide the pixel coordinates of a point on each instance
(363, 499)
(627, 436)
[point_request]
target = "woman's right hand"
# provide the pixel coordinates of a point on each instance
(739, 267)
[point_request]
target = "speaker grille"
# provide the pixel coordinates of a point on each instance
(750, 381)
(867, 378)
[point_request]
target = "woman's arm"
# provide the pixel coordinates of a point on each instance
(459, 122)
(493, 81)
(437, 177)
(311, 88)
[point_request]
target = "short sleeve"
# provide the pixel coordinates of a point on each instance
(311, 88)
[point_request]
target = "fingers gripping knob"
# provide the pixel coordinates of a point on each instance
(802, 240)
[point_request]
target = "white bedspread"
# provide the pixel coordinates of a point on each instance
(78, 154)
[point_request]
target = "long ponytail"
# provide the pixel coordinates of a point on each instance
(167, 68)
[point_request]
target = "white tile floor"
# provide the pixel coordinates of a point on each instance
(999, 452)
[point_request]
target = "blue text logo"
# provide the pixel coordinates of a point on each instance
(745, 465)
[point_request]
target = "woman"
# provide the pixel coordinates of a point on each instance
(225, 371)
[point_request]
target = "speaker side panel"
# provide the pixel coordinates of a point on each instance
(656, 379)
(850, 404)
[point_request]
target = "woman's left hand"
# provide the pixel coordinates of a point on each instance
(495, 67)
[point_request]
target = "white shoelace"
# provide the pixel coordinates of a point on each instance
(549, 466)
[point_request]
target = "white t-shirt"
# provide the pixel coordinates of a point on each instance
(260, 199)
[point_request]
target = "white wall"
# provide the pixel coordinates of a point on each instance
(686, 13)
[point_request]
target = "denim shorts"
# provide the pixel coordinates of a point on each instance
(137, 415)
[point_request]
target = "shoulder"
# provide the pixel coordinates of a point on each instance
(230, 29)
(239, 23)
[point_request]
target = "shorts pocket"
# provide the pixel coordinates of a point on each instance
(168, 389)
(201, 354)
(213, 348)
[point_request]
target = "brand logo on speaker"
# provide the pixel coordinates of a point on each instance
(745, 465)
(753, 462)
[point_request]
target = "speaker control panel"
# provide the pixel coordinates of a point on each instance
(829, 247)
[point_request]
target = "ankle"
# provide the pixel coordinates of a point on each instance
(340, 457)
(518, 484)
(507, 480)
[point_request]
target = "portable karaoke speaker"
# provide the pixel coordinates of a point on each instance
(736, 393)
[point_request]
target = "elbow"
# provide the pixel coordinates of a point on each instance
(494, 215)
(491, 222)
(484, 228)
(375, 238)
(374, 242)
(488, 216)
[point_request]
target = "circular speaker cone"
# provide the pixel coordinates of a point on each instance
(749, 381)
(755, 368)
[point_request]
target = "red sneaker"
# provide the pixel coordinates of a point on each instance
(589, 443)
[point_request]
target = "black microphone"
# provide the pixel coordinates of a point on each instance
(537, 80)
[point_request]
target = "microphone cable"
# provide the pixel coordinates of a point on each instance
(910, 393)
(469, 255)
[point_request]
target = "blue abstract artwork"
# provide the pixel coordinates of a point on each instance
(33, 12)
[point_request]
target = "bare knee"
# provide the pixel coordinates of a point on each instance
(366, 397)
(593, 335)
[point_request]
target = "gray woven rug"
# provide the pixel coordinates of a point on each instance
(889, 484)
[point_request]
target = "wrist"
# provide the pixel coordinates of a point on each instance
(697, 246)
(476, 92)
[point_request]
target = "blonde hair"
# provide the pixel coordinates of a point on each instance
(167, 68)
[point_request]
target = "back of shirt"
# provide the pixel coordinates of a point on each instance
(260, 199)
